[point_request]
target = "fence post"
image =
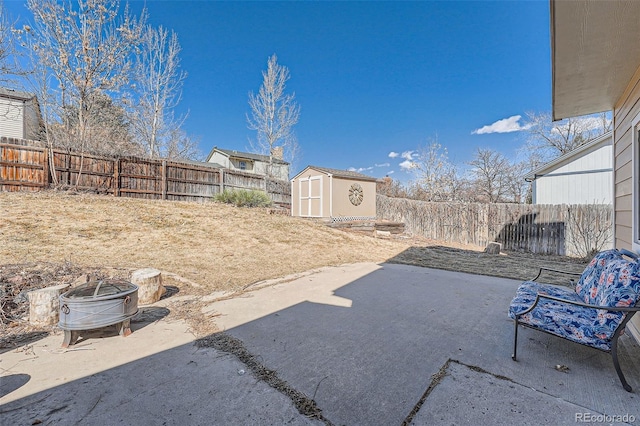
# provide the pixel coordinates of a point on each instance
(221, 174)
(164, 179)
(486, 216)
(116, 177)
(45, 168)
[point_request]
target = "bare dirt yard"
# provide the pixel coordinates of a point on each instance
(50, 238)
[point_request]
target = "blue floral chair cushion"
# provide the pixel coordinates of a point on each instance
(609, 280)
(588, 283)
(619, 284)
(576, 323)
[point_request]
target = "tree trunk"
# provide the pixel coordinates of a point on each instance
(44, 305)
(149, 282)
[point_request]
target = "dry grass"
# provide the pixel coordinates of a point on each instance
(219, 247)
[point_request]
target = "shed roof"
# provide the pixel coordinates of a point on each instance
(15, 94)
(605, 139)
(347, 174)
(595, 51)
(243, 155)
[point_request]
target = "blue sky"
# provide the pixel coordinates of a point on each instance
(371, 78)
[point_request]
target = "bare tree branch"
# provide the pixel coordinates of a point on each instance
(437, 178)
(9, 54)
(273, 113)
(83, 48)
(158, 84)
(553, 139)
(491, 172)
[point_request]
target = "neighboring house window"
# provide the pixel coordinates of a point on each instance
(242, 165)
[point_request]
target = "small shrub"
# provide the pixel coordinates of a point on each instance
(244, 198)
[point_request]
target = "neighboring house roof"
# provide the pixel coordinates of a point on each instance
(595, 53)
(605, 139)
(200, 163)
(347, 174)
(243, 155)
(15, 94)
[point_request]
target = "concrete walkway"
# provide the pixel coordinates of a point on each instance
(369, 344)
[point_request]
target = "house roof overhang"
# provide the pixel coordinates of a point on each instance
(238, 155)
(15, 94)
(595, 51)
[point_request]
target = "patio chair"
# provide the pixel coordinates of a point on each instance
(594, 312)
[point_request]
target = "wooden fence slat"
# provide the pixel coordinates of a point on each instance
(164, 180)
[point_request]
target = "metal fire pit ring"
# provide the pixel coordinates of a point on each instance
(97, 304)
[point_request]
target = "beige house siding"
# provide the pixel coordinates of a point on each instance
(625, 111)
(245, 163)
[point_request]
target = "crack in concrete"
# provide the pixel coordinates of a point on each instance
(229, 344)
(443, 372)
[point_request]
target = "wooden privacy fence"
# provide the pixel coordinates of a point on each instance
(24, 166)
(571, 230)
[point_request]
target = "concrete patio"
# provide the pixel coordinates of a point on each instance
(370, 344)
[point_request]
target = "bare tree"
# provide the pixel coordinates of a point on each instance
(8, 66)
(391, 188)
(273, 113)
(491, 175)
(107, 128)
(552, 139)
(83, 48)
(181, 146)
(158, 82)
(590, 228)
(437, 178)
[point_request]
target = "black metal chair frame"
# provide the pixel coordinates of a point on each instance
(614, 340)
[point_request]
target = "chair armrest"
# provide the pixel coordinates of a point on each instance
(573, 302)
(574, 274)
(586, 305)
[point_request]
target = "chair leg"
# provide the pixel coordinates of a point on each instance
(616, 364)
(515, 340)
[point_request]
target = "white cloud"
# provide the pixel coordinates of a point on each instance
(407, 155)
(393, 154)
(506, 125)
(391, 172)
(407, 165)
(360, 169)
(383, 165)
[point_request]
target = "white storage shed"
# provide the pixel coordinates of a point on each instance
(331, 194)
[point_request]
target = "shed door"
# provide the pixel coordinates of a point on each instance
(311, 196)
